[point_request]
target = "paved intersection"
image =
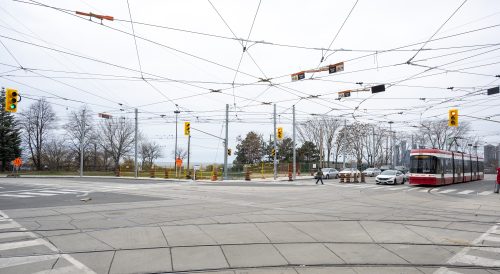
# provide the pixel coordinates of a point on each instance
(143, 226)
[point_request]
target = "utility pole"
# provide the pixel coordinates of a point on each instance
(226, 142)
(294, 168)
(321, 157)
(82, 139)
(189, 153)
(345, 143)
(135, 139)
(175, 152)
(275, 146)
(392, 143)
(374, 147)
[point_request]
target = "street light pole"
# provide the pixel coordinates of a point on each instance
(175, 152)
(392, 144)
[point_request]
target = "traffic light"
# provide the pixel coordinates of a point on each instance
(11, 101)
(273, 151)
(229, 152)
(453, 117)
(280, 133)
(187, 128)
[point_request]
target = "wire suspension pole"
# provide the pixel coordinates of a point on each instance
(226, 142)
(189, 154)
(135, 140)
(294, 164)
(175, 152)
(82, 138)
(275, 146)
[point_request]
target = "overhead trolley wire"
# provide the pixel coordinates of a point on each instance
(432, 36)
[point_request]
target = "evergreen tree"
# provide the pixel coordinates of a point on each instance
(10, 139)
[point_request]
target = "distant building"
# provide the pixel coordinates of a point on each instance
(491, 157)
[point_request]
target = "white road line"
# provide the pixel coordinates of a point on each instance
(62, 270)
(8, 225)
(424, 190)
(447, 191)
(37, 194)
(485, 193)
(7, 235)
(21, 244)
(411, 188)
(444, 270)
(466, 191)
(81, 267)
(56, 192)
(14, 261)
(16, 196)
(475, 260)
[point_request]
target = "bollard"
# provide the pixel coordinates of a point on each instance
(214, 174)
(166, 173)
(356, 177)
(342, 178)
(348, 178)
(363, 178)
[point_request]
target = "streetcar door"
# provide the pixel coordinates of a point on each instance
(453, 170)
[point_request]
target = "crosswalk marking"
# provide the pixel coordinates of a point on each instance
(13, 245)
(14, 261)
(15, 195)
(423, 190)
(57, 192)
(476, 260)
(8, 225)
(485, 193)
(447, 190)
(37, 194)
(7, 235)
(466, 192)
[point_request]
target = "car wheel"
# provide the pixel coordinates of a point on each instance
(327, 177)
(336, 176)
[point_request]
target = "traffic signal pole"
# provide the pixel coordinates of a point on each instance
(226, 142)
(135, 140)
(275, 146)
(82, 138)
(294, 168)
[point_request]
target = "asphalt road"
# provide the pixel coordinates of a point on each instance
(95, 225)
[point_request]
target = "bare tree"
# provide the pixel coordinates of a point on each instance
(36, 123)
(149, 152)
(355, 134)
(80, 130)
(439, 135)
(56, 153)
(117, 138)
(341, 143)
(181, 152)
(331, 126)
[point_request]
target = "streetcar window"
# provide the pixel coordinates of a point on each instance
(425, 164)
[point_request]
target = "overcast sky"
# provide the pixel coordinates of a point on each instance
(186, 49)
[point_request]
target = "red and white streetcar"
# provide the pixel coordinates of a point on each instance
(442, 167)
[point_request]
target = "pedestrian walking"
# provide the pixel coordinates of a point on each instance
(497, 185)
(319, 176)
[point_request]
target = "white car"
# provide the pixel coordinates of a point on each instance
(330, 173)
(390, 177)
(372, 172)
(350, 171)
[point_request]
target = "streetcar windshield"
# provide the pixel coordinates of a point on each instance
(423, 164)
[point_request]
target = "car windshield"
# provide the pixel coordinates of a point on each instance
(369, 169)
(389, 172)
(325, 169)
